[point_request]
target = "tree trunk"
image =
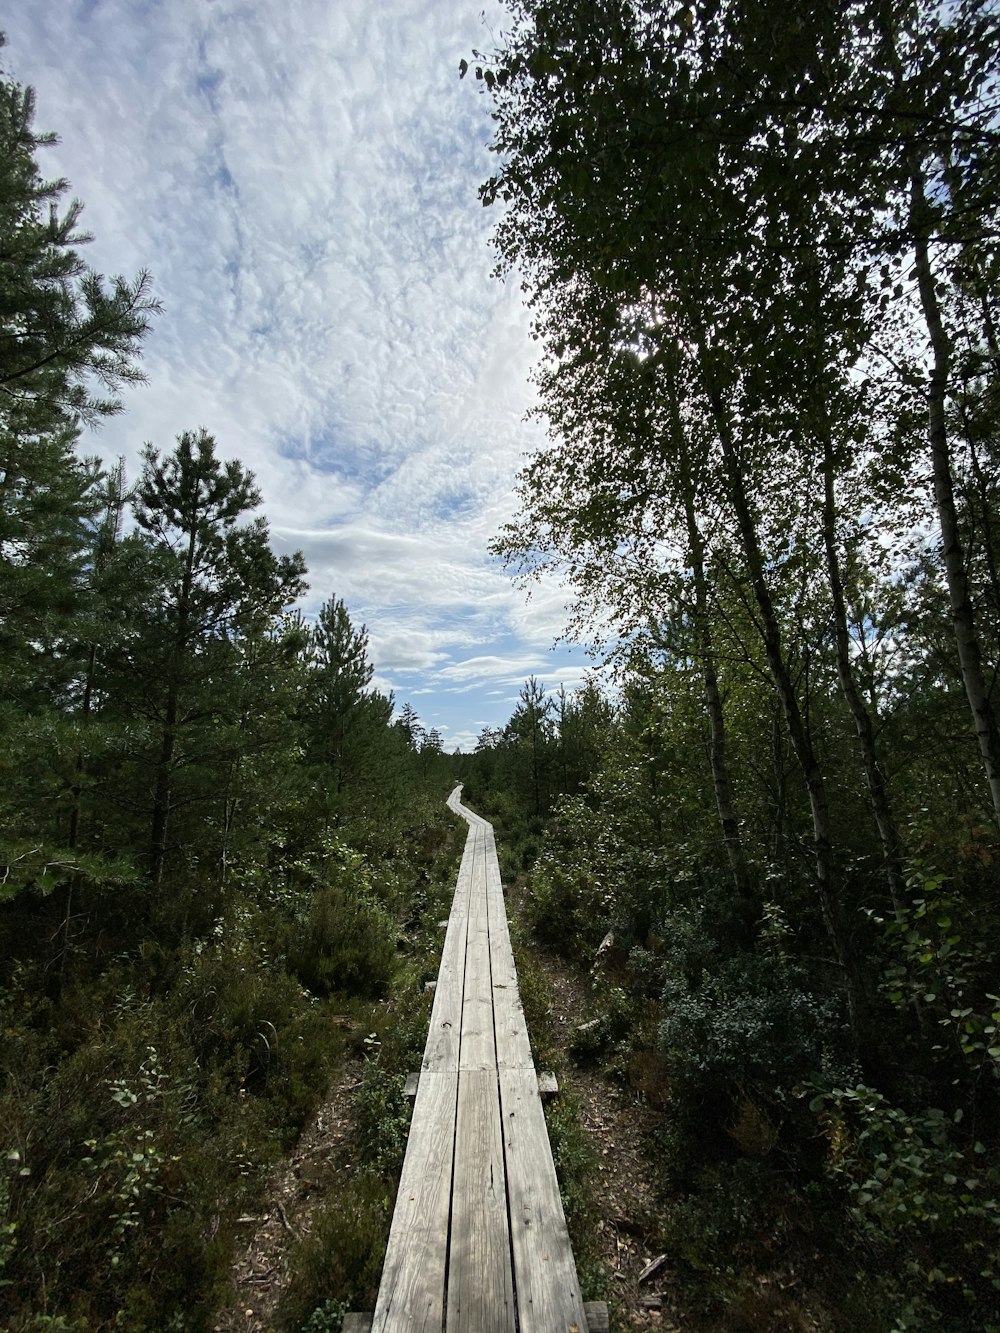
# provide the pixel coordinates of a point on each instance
(780, 785)
(168, 740)
(161, 793)
(952, 552)
(802, 747)
(878, 788)
(80, 765)
(725, 799)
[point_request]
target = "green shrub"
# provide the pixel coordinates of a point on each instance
(575, 1159)
(347, 943)
(751, 1026)
(337, 1267)
(917, 1176)
(570, 892)
(381, 1117)
(326, 1318)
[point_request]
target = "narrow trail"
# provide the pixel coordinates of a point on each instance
(478, 1238)
(619, 1126)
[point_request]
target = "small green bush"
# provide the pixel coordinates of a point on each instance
(337, 1267)
(347, 943)
(751, 1026)
(570, 892)
(917, 1176)
(326, 1318)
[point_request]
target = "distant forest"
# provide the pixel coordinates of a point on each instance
(761, 244)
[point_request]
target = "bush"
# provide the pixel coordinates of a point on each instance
(569, 899)
(337, 1267)
(752, 1027)
(347, 943)
(916, 1174)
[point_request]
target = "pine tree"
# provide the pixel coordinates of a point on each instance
(219, 579)
(68, 341)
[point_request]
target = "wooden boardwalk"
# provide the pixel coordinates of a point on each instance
(478, 1242)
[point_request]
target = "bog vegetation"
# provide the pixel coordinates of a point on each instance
(760, 242)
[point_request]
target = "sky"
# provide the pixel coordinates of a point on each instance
(301, 181)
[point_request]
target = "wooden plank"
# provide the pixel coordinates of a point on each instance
(598, 1320)
(480, 1288)
(477, 886)
(412, 1291)
(513, 1046)
(445, 1030)
(478, 1049)
(444, 1033)
(548, 1291)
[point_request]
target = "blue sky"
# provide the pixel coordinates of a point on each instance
(301, 181)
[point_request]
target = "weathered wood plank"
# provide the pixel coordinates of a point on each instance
(598, 1320)
(412, 1291)
(444, 1033)
(357, 1323)
(548, 1291)
(513, 1046)
(480, 1289)
(478, 1049)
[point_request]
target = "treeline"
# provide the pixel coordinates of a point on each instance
(212, 829)
(858, 1170)
(761, 247)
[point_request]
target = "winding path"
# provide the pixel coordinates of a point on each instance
(478, 1242)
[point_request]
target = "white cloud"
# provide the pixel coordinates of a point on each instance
(302, 179)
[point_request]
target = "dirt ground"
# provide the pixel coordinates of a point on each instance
(260, 1269)
(618, 1126)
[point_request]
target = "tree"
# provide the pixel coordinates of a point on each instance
(219, 577)
(48, 497)
(531, 732)
(339, 690)
(62, 329)
(410, 725)
(705, 130)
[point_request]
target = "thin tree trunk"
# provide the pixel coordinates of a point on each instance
(168, 741)
(718, 750)
(878, 788)
(161, 794)
(80, 765)
(953, 554)
(812, 774)
(780, 785)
